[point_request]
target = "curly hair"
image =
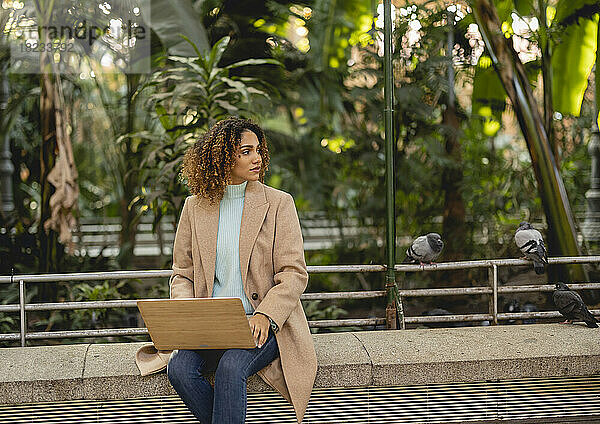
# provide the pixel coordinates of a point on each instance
(207, 164)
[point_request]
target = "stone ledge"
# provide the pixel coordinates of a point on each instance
(471, 354)
(346, 359)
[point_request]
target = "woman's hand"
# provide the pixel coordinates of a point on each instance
(259, 325)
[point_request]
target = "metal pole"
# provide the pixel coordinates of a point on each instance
(22, 310)
(495, 293)
(394, 304)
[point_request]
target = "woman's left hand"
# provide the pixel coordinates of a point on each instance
(259, 325)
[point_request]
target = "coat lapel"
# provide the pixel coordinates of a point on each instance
(206, 222)
(253, 216)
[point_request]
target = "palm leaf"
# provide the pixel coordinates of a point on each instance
(174, 21)
(573, 56)
(217, 51)
(249, 62)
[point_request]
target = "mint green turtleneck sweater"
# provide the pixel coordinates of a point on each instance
(228, 274)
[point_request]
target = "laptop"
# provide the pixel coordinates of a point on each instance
(198, 323)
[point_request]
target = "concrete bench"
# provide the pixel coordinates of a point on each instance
(356, 369)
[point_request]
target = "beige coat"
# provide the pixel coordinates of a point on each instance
(273, 273)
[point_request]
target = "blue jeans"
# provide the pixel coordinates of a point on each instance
(226, 403)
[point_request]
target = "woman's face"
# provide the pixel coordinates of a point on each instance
(248, 161)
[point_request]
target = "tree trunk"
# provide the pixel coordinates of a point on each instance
(50, 249)
(454, 229)
(561, 227)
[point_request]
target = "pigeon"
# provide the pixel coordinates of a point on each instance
(424, 249)
(571, 306)
(531, 243)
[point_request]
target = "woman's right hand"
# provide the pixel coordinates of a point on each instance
(259, 325)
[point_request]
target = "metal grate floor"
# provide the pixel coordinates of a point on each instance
(534, 400)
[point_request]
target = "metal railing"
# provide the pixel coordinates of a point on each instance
(492, 290)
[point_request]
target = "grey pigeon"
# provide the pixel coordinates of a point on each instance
(571, 306)
(531, 243)
(425, 249)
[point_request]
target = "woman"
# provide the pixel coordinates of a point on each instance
(239, 237)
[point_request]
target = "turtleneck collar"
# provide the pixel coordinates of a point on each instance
(234, 191)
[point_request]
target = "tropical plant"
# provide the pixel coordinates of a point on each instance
(97, 318)
(114, 93)
(314, 311)
(85, 318)
(189, 94)
(536, 125)
(9, 322)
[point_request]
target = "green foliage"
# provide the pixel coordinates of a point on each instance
(570, 30)
(488, 99)
(9, 295)
(322, 111)
(85, 318)
(536, 131)
(158, 291)
(572, 11)
(314, 311)
(107, 290)
(499, 191)
(172, 19)
(189, 94)
(576, 47)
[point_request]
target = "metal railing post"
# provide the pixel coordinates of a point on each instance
(493, 280)
(22, 311)
(393, 312)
